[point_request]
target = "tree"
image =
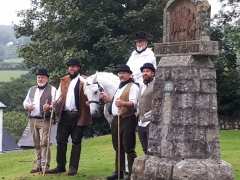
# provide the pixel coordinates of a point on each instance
(13, 93)
(100, 34)
(228, 77)
(15, 123)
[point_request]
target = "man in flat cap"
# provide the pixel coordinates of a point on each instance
(141, 55)
(38, 102)
(74, 117)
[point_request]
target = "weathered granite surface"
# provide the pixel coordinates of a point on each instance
(183, 135)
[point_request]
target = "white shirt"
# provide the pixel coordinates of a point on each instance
(144, 87)
(136, 61)
(36, 100)
(70, 97)
(133, 97)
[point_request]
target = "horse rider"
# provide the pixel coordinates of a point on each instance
(145, 104)
(123, 103)
(38, 102)
(141, 55)
(74, 117)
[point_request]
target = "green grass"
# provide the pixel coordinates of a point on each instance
(15, 60)
(97, 159)
(5, 76)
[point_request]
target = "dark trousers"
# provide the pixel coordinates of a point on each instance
(143, 134)
(127, 138)
(68, 126)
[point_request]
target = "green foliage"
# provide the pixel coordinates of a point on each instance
(13, 93)
(228, 77)
(100, 34)
(15, 123)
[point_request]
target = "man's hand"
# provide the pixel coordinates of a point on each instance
(30, 107)
(46, 107)
(87, 103)
(102, 95)
(54, 103)
(119, 102)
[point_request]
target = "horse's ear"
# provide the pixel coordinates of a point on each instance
(94, 79)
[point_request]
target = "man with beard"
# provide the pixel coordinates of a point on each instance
(74, 117)
(123, 104)
(38, 102)
(141, 55)
(145, 104)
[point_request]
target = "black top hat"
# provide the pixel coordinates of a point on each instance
(149, 66)
(141, 36)
(124, 68)
(73, 62)
(42, 71)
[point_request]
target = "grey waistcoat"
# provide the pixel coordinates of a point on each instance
(145, 102)
(45, 95)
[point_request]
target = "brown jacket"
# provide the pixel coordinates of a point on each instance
(85, 117)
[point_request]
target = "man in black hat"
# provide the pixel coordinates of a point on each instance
(74, 117)
(145, 104)
(38, 102)
(141, 55)
(123, 104)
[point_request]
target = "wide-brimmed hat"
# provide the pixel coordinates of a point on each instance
(147, 65)
(42, 71)
(124, 68)
(73, 62)
(141, 36)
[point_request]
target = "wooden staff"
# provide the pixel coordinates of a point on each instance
(118, 144)
(41, 140)
(49, 135)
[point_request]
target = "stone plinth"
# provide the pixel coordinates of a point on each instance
(183, 133)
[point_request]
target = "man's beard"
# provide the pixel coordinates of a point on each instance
(140, 48)
(41, 84)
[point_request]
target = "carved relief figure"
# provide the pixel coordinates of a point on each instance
(183, 24)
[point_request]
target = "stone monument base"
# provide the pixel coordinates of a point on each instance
(153, 168)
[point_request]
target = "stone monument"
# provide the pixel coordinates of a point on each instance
(184, 139)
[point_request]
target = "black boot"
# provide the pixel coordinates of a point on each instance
(130, 158)
(74, 159)
(115, 176)
(61, 159)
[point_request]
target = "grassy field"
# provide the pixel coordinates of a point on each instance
(97, 159)
(5, 76)
(16, 60)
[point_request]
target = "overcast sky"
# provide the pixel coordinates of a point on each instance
(8, 9)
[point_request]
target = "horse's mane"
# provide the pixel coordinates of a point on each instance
(110, 76)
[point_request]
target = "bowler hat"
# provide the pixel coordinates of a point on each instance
(148, 66)
(124, 68)
(140, 36)
(42, 71)
(73, 62)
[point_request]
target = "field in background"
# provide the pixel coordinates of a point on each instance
(97, 159)
(5, 76)
(16, 60)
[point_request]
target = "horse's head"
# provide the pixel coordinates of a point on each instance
(92, 90)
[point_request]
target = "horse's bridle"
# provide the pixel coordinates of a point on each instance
(100, 102)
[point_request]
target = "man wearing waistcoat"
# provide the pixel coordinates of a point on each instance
(141, 55)
(39, 127)
(145, 104)
(74, 117)
(123, 104)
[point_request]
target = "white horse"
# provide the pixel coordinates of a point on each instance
(100, 82)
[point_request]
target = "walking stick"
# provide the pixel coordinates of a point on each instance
(118, 144)
(41, 140)
(49, 134)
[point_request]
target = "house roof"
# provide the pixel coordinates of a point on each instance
(8, 144)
